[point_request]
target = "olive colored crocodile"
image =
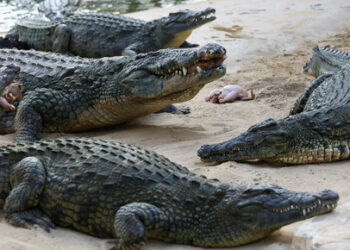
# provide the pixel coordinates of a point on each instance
(116, 190)
(317, 129)
(67, 94)
(327, 61)
(103, 34)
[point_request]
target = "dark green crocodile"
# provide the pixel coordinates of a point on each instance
(115, 190)
(317, 129)
(327, 61)
(102, 34)
(67, 94)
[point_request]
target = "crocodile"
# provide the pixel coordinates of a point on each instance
(327, 61)
(119, 191)
(316, 130)
(103, 34)
(69, 94)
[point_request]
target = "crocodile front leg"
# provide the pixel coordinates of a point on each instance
(27, 179)
(51, 111)
(28, 121)
(133, 220)
(61, 39)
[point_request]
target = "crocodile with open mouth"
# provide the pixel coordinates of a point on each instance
(104, 34)
(67, 94)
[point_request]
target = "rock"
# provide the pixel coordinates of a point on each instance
(329, 231)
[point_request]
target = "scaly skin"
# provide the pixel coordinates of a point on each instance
(115, 190)
(327, 61)
(100, 34)
(67, 94)
(317, 130)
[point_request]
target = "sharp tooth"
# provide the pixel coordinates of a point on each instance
(169, 70)
(199, 69)
(184, 70)
(304, 211)
(319, 202)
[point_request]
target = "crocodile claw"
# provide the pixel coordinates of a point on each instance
(29, 218)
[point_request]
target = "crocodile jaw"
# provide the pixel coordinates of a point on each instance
(273, 207)
(174, 75)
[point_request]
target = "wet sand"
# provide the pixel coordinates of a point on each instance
(267, 43)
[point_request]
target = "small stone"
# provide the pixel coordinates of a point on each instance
(329, 231)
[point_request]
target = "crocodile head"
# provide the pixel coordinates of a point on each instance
(154, 80)
(270, 140)
(174, 29)
(248, 213)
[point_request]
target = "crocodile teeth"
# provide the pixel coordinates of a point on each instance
(199, 69)
(184, 70)
(304, 211)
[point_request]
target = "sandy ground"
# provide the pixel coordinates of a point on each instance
(268, 43)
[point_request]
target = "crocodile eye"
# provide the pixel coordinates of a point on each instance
(269, 191)
(256, 192)
(263, 125)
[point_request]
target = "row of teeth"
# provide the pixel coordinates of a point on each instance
(197, 19)
(304, 210)
(182, 71)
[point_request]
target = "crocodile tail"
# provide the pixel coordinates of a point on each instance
(58, 9)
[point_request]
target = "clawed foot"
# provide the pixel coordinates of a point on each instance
(185, 110)
(30, 218)
(189, 45)
(174, 110)
(119, 245)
